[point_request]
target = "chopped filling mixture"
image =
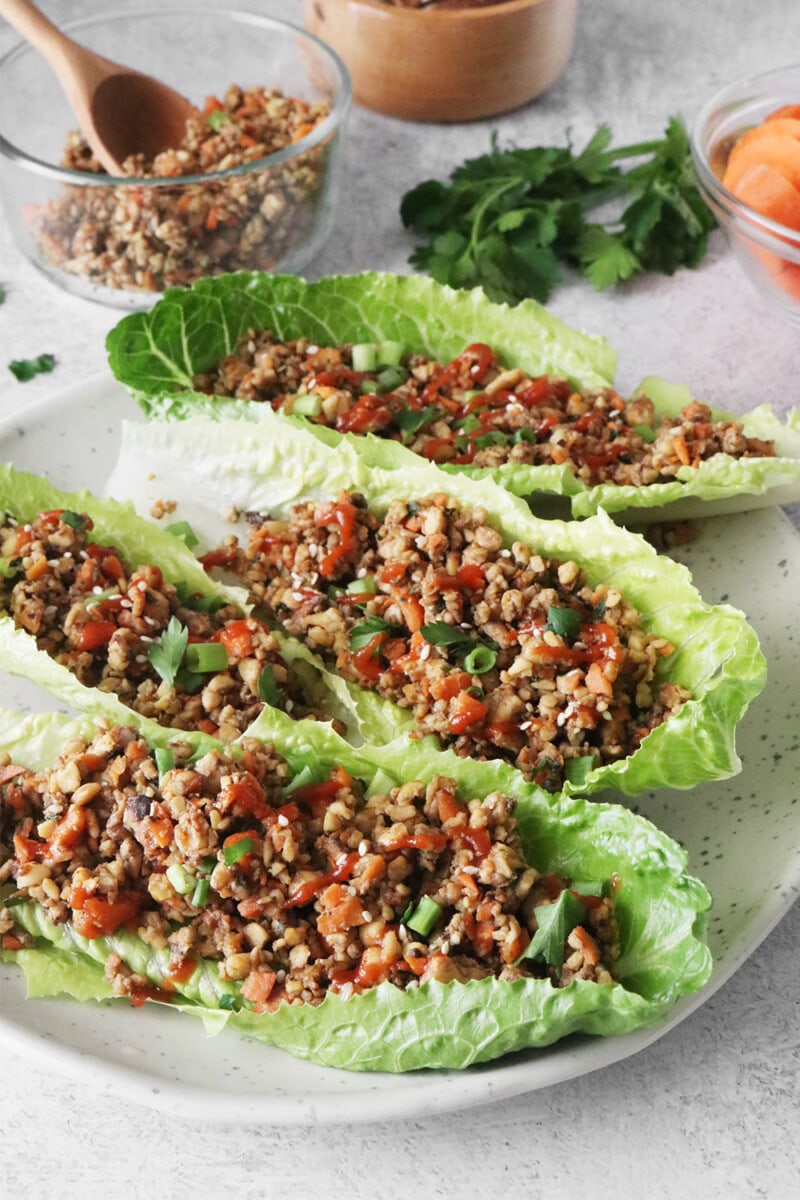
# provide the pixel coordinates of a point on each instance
(497, 651)
(186, 661)
(150, 238)
(473, 411)
(294, 889)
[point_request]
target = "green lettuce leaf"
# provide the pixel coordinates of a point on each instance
(157, 354)
(661, 912)
(23, 496)
(272, 465)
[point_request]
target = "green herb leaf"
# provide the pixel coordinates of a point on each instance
(217, 119)
(555, 923)
(507, 221)
(267, 687)
(25, 368)
(411, 420)
(363, 633)
(166, 655)
(564, 622)
(183, 529)
(73, 519)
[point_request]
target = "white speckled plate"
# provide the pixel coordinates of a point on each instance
(743, 837)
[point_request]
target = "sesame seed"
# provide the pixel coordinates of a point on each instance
(283, 819)
(365, 916)
(363, 847)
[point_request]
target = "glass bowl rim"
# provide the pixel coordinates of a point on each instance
(734, 208)
(321, 132)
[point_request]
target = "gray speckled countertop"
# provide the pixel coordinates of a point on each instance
(712, 1109)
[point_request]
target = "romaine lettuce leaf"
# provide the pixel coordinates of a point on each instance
(661, 912)
(157, 354)
(23, 496)
(208, 466)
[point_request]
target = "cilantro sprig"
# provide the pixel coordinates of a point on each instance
(24, 369)
(166, 655)
(509, 220)
(477, 655)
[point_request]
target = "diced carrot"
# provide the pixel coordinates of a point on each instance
(681, 449)
(10, 942)
(449, 806)
(587, 944)
(302, 130)
(342, 915)
(597, 681)
(38, 568)
(98, 916)
(466, 710)
(258, 986)
(447, 687)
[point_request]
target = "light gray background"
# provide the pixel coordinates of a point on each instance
(712, 1109)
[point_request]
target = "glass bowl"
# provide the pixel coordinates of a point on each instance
(122, 240)
(768, 251)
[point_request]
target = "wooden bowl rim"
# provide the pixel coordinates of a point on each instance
(390, 12)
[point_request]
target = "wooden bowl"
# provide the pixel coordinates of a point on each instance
(447, 64)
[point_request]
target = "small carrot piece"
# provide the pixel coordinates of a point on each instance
(769, 192)
(777, 150)
(597, 681)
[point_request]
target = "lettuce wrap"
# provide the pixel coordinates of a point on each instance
(207, 467)
(660, 911)
(23, 496)
(157, 355)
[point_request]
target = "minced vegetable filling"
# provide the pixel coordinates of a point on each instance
(497, 651)
(185, 661)
(474, 411)
(294, 888)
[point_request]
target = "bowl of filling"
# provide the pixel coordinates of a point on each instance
(746, 152)
(447, 60)
(252, 184)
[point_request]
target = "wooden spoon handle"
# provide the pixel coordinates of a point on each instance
(34, 26)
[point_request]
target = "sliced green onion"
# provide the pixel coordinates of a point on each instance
(307, 405)
(217, 119)
(468, 424)
(238, 850)
(479, 660)
(182, 529)
(206, 604)
(382, 784)
(98, 597)
(165, 759)
(200, 894)
(524, 435)
(365, 356)
(357, 586)
(367, 387)
(390, 354)
(577, 770)
(5, 568)
(389, 378)
(229, 1003)
(206, 865)
(205, 658)
(645, 432)
(422, 916)
(587, 887)
(181, 879)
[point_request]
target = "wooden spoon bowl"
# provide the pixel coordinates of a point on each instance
(447, 64)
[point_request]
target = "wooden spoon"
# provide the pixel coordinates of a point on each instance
(119, 110)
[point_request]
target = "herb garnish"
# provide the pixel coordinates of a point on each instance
(564, 622)
(166, 655)
(25, 368)
(507, 221)
(555, 922)
(411, 420)
(363, 633)
(217, 119)
(477, 654)
(267, 687)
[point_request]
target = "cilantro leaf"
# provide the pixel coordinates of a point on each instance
(25, 368)
(363, 633)
(267, 687)
(555, 923)
(564, 622)
(507, 220)
(166, 655)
